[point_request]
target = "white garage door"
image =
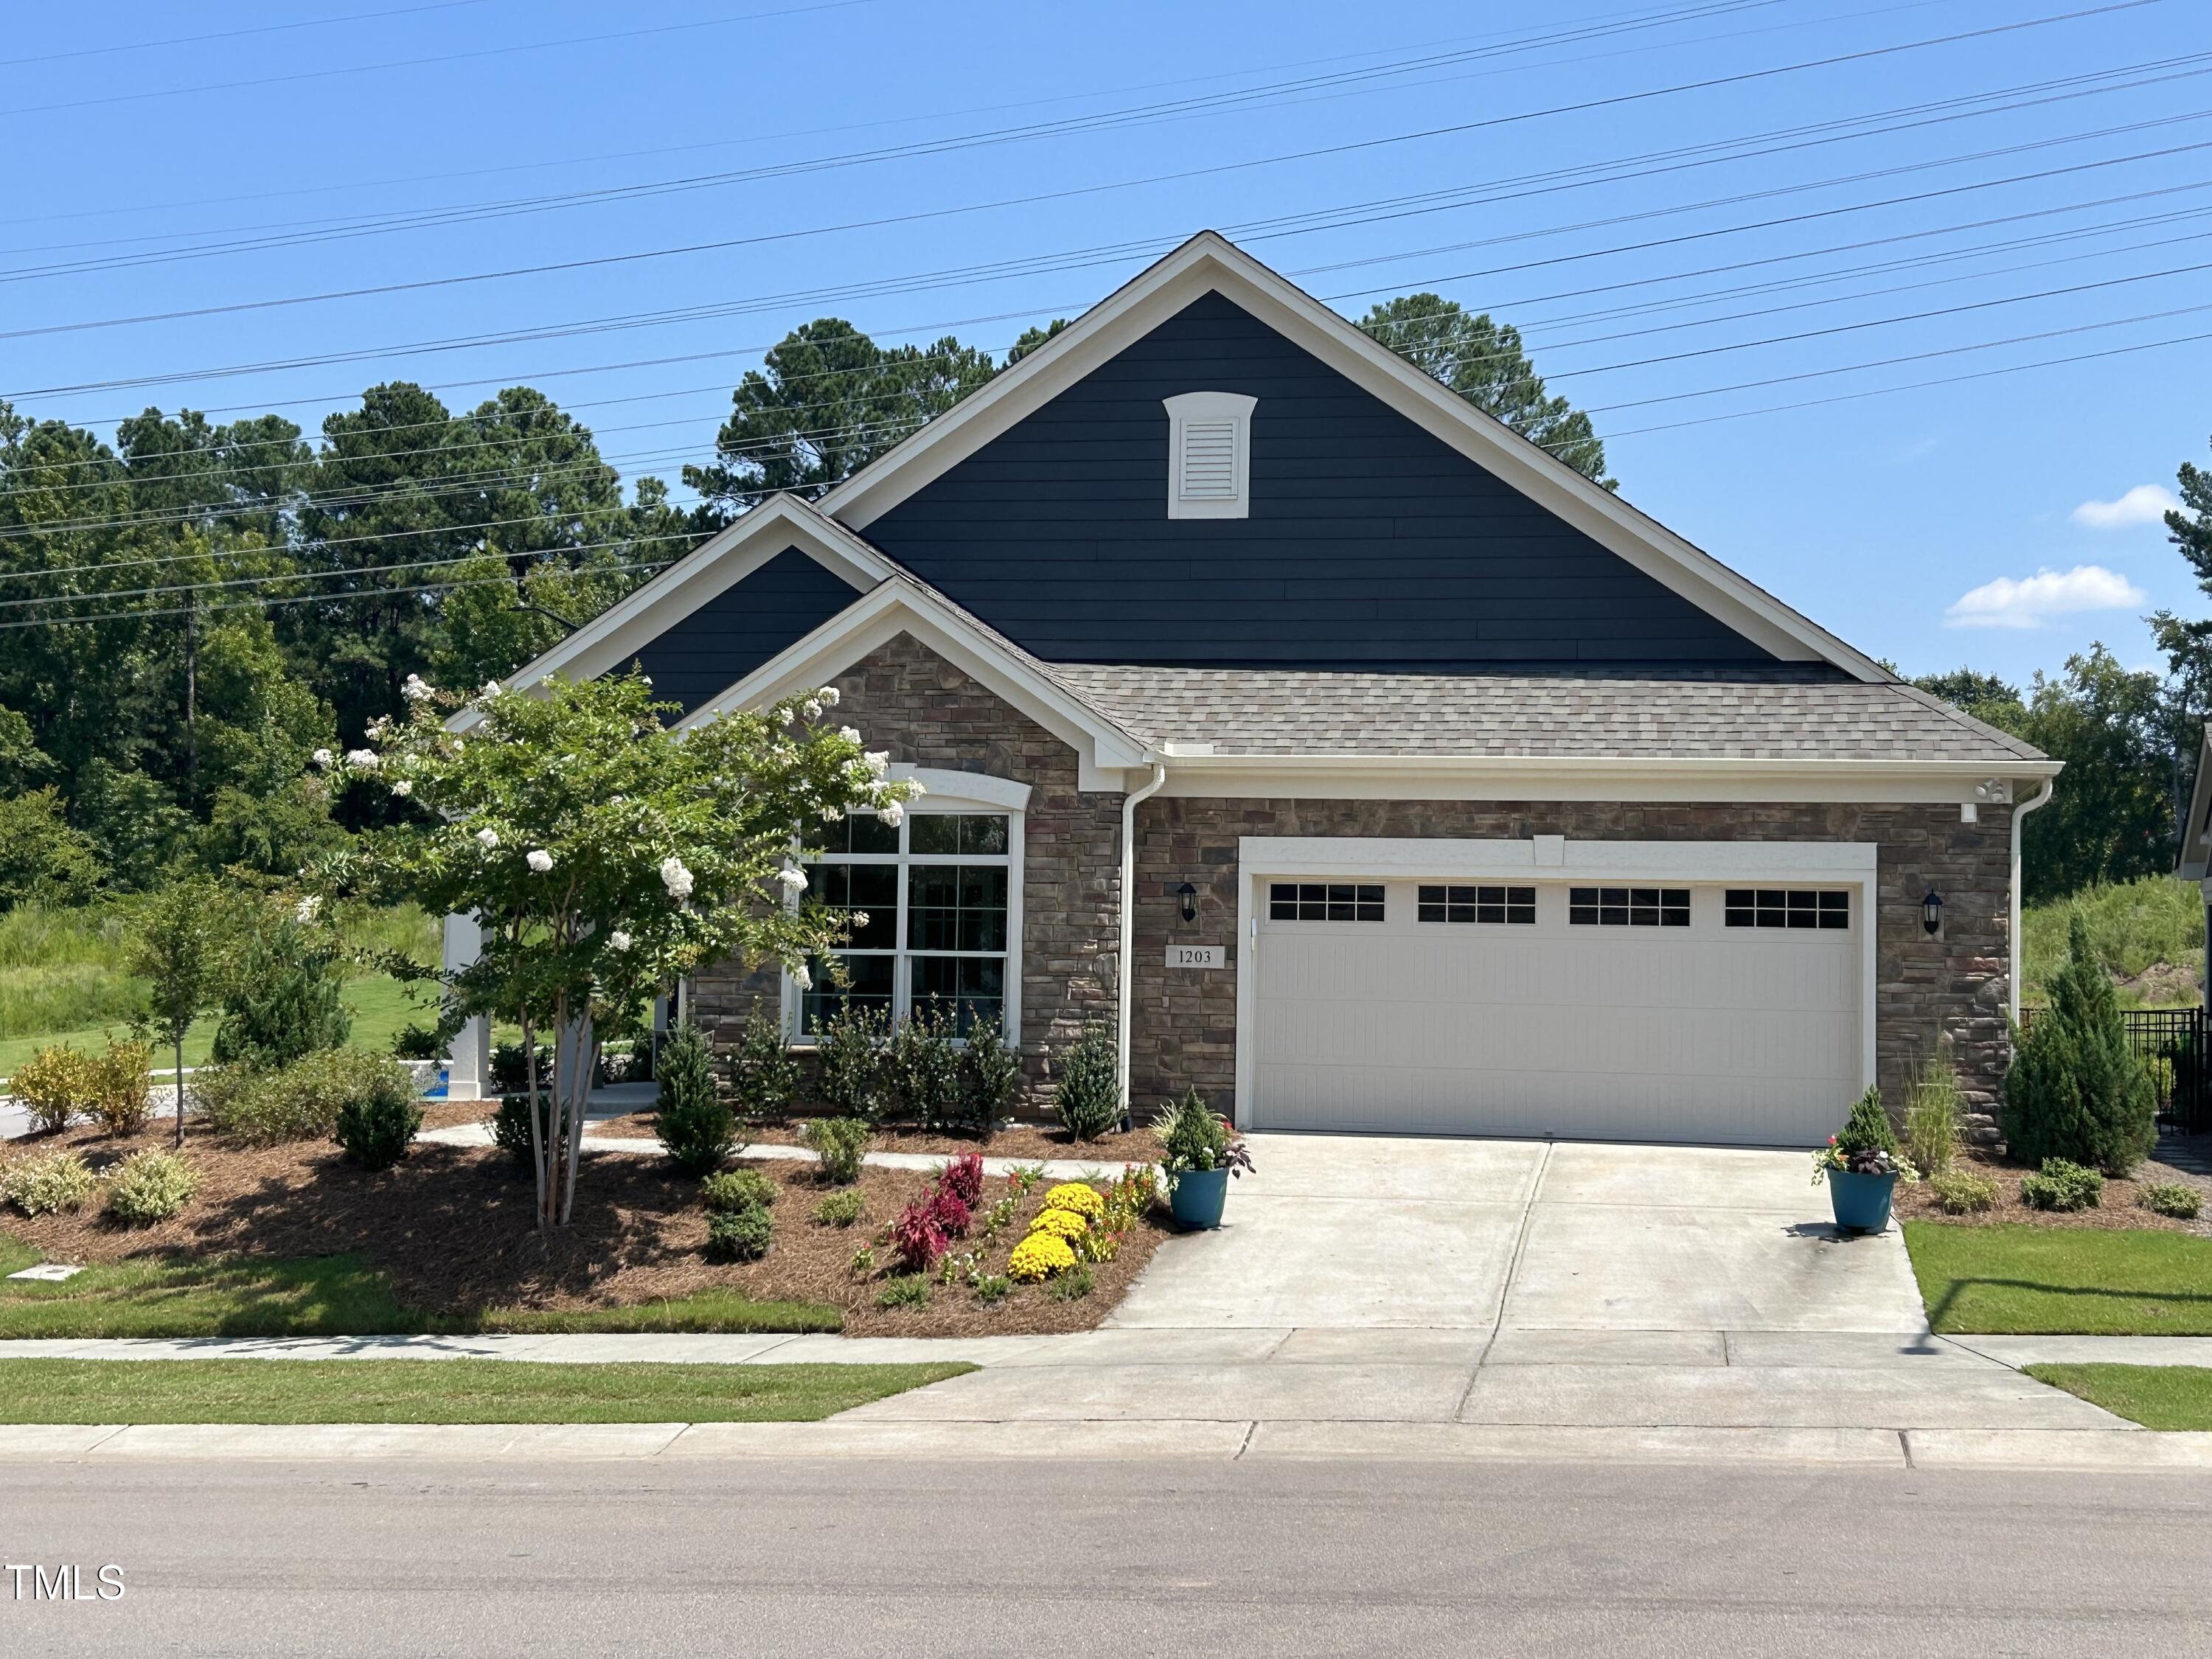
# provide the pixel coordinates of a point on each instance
(1670, 1013)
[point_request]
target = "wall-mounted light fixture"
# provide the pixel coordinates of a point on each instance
(1188, 894)
(1931, 913)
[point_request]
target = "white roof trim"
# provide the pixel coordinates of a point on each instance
(617, 634)
(899, 606)
(943, 789)
(1209, 263)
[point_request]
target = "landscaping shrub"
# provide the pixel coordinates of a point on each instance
(907, 1291)
(284, 1000)
(731, 1190)
(510, 1126)
(2171, 1198)
(841, 1209)
(1038, 1257)
(990, 1077)
(149, 1187)
(510, 1067)
(963, 1178)
(697, 1126)
(1073, 1284)
(415, 1041)
(925, 1069)
(1961, 1191)
(2061, 1185)
(120, 1092)
(2076, 1092)
(1195, 1138)
(917, 1238)
(379, 1120)
(53, 1085)
(764, 1076)
(1868, 1128)
(302, 1101)
(851, 1074)
(1088, 1101)
(840, 1143)
(740, 1235)
(43, 1184)
(952, 1217)
(1931, 1116)
(1081, 1200)
(993, 1287)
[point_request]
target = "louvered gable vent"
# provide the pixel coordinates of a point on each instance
(1209, 455)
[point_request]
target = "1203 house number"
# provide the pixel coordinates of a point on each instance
(1194, 956)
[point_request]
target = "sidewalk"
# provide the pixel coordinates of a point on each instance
(475, 1134)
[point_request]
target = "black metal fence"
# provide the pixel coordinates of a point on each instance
(2172, 1042)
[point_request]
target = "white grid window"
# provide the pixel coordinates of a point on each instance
(937, 895)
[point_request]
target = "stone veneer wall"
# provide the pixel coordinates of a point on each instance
(1184, 1031)
(906, 699)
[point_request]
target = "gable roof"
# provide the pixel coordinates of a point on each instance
(1209, 264)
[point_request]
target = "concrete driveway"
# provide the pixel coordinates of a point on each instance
(1349, 1231)
(1418, 1297)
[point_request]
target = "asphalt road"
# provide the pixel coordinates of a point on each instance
(1129, 1559)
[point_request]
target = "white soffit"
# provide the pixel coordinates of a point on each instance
(1209, 263)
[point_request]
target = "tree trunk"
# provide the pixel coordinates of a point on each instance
(180, 1088)
(576, 1060)
(540, 1145)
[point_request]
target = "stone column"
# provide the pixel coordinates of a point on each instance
(468, 1075)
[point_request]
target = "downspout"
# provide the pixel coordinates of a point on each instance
(1123, 989)
(2041, 798)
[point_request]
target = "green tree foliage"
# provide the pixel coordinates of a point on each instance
(283, 992)
(2111, 818)
(42, 860)
(826, 401)
(1484, 362)
(176, 947)
(698, 1128)
(2076, 1090)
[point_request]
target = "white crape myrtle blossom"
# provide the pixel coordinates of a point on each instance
(403, 788)
(486, 838)
(828, 695)
(490, 688)
(416, 691)
(801, 978)
(322, 758)
(676, 878)
(812, 708)
(877, 761)
(851, 734)
(794, 879)
(892, 812)
(307, 910)
(540, 859)
(361, 760)
(619, 940)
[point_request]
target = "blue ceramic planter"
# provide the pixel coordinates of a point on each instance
(1860, 1201)
(1198, 1197)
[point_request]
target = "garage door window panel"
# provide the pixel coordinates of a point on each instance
(1804, 908)
(1498, 906)
(1628, 907)
(1333, 901)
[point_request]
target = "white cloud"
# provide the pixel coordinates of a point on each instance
(2011, 602)
(2144, 504)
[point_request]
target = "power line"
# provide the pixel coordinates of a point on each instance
(596, 261)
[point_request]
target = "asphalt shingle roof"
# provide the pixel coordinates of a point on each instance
(1264, 711)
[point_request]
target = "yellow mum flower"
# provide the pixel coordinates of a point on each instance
(1059, 1223)
(1039, 1256)
(1077, 1198)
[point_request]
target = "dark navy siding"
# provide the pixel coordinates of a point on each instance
(742, 627)
(1371, 544)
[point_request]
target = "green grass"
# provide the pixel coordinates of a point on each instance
(2133, 926)
(439, 1391)
(328, 1296)
(2157, 1396)
(2016, 1281)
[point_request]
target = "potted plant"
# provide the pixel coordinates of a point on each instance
(1862, 1166)
(1198, 1152)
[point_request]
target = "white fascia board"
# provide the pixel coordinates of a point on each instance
(1584, 861)
(614, 636)
(944, 787)
(1554, 778)
(1209, 263)
(1102, 749)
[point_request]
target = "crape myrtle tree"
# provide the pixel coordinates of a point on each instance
(604, 854)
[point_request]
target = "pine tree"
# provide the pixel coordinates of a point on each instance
(2076, 1090)
(698, 1128)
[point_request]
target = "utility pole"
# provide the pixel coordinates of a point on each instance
(191, 698)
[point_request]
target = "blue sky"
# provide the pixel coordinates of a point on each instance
(1665, 248)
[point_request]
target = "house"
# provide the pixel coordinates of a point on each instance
(2194, 862)
(1368, 767)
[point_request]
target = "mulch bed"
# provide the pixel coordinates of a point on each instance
(2117, 1208)
(1030, 1142)
(452, 1228)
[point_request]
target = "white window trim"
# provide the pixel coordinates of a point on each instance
(1235, 408)
(1853, 864)
(948, 792)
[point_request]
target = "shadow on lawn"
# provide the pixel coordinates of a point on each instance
(1940, 1310)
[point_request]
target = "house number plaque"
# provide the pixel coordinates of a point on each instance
(1194, 956)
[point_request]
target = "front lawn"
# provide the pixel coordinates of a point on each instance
(439, 1391)
(2016, 1281)
(2157, 1396)
(331, 1295)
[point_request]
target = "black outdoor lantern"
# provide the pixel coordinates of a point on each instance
(1931, 913)
(1188, 894)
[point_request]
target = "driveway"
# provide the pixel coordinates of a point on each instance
(1418, 1290)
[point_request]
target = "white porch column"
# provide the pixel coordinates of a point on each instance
(468, 1075)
